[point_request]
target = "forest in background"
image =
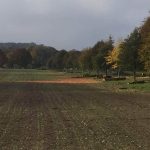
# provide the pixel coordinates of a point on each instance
(130, 54)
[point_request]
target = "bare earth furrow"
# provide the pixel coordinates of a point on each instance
(39, 116)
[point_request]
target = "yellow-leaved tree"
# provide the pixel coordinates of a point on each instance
(113, 57)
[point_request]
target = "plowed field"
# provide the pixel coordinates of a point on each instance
(69, 116)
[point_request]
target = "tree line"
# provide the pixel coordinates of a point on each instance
(131, 53)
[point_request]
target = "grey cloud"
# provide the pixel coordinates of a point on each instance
(67, 23)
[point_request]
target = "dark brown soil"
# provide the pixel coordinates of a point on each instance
(39, 116)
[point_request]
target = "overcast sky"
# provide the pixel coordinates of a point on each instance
(68, 24)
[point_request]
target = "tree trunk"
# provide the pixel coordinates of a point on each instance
(106, 73)
(134, 71)
(134, 75)
(82, 72)
(97, 72)
(118, 72)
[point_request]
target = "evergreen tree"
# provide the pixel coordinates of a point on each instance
(145, 44)
(129, 54)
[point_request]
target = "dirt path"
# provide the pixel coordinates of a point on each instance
(72, 117)
(67, 80)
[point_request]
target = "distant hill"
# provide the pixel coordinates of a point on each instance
(6, 46)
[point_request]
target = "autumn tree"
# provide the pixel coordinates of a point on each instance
(41, 54)
(113, 57)
(20, 57)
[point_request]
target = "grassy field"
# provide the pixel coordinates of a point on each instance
(12, 75)
(67, 116)
(123, 86)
